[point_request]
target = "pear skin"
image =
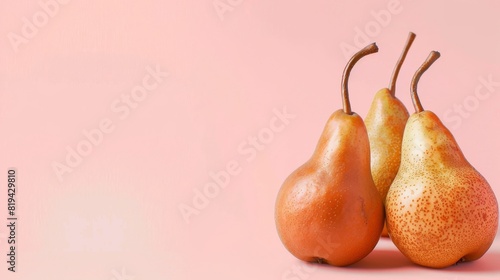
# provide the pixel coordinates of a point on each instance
(328, 210)
(385, 123)
(440, 210)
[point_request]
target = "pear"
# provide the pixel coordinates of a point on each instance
(328, 210)
(440, 210)
(385, 123)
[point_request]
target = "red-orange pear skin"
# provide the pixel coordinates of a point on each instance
(328, 210)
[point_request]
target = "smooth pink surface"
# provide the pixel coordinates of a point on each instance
(116, 215)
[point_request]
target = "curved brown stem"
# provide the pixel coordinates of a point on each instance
(433, 56)
(395, 72)
(372, 48)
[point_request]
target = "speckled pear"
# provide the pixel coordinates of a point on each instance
(440, 210)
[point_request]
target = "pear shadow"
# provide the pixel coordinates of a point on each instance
(380, 259)
(393, 259)
(487, 263)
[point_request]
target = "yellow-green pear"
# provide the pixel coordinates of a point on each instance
(385, 123)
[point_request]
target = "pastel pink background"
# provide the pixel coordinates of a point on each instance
(118, 213)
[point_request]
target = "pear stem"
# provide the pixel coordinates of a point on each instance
(372, 48)
(433, 56)
(395, 72)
